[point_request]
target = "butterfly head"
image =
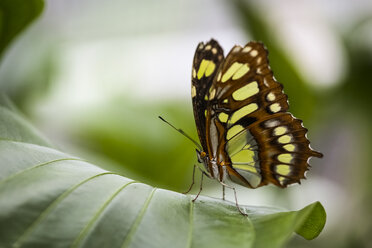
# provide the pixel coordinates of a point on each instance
(212, 169)
(203, 159)
(202, 156)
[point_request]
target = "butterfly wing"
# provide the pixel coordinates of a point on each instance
(262, 142)
(207, 60)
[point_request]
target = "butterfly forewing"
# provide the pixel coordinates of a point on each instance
(207, 60)
(243, 121)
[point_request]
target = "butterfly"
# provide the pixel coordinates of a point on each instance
(245, 130)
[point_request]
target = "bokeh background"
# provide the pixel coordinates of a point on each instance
(94, 76)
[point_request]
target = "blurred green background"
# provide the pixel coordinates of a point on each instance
(94, 76)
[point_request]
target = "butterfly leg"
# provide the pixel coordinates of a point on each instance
(236, 199)
(193, 181)
(223, 192)
(201, 187)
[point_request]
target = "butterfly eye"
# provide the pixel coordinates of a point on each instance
(201, 155)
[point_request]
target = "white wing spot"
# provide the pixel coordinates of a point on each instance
(236, 49)
(275, 107)
(272, 123)
(246, 49)
(270, 97)
(259, 70)
(253, 53)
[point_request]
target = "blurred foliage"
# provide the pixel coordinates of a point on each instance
(302, 98)
(15, 15)
(356, 87)
(35, 85)
(355, 94)
(24, 85)
(131, 134)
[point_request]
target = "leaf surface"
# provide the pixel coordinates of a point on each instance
(52, 199)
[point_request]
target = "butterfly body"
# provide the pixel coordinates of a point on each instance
(246, 134)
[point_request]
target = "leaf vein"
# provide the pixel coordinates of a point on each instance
(51, 206)
(95, 217)
(36, 166)
(191, 220)
(138, 220)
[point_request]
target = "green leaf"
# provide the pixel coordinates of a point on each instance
(52, 199)
(315, 214)
(15, 15)
(14, 128)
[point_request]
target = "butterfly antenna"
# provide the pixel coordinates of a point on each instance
(183, 133)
